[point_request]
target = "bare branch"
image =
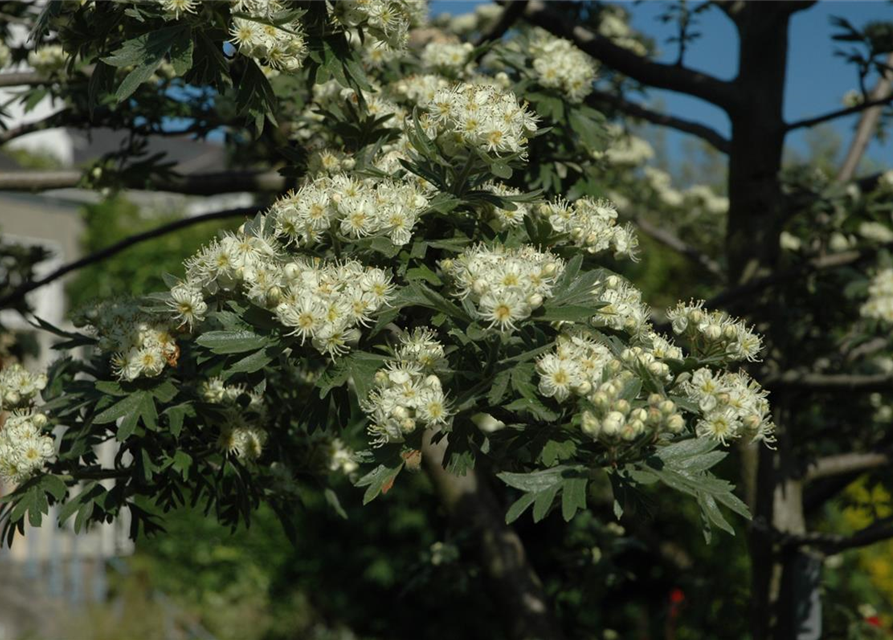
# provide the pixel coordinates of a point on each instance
(197, 184)
(674, 242)
(18, 294)
(830, 543)
(867, 127)
(840, 113)
(711, 136)
(648, 72)
(59, 119)
(511, 12)
(829, 382)
(22, 79)
(845, 464)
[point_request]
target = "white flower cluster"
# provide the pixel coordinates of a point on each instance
(406, 394)
(326, 302)
(19, 387)
(623, 308)
(359, 208)
(591, 224)
(733, 405)
(47, 60)
(507, 217)
(387, 21)
(876, 232)
(173, 9)
(241, 432)
(662, 183)
(880, 297)
(715, 333)
(281, 46)
(576, 366)
(702, 197)
(141, 344)
(341, 458)
(24, 449)
(419, 88)
(483, 16)
(446, 57)
(562, 66)
(613, 26)
(628, 150)
(482, 117)
(506, 285)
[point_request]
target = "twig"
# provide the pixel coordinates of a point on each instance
(511, 12)
(840, 113)
(20, 292)
(654, 74)
(711, 136)
(674, 242)
(199, 184)
(867, 126)
(845, 464)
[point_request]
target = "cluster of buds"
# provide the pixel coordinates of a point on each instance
(281, 46)
(639, 357)
(592, 225)
(241, 432)
(733, 406)
(714, 333)
(623, 308)
(614, 419)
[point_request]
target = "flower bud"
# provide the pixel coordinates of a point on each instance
(622, 406)
(613, 423)
(730, 332)
(549, 269)
(412, 459)
(432, 382)
(667, 407)
(39, 420)
(591, 425)
(407, 425)
(535, 301)
(675, 423)
(400, 413)
(480, 286)
(487, 423)
(584, 388)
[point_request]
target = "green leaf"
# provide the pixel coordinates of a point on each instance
(146, 52)
(335, 503)
(175, 417)
(226, 342)
(573, 497)
(519, 507)
(181, 55)
(379, 480)
(538, 480)
(126, 407)
(544, 500)
(249, 364)
(569, 313)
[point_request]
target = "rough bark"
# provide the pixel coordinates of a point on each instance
(517, 588)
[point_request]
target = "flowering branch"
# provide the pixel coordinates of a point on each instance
(669, 239)
(20, 292)
(202, 184)
(867, 126)
(654, 74)
(709, 135)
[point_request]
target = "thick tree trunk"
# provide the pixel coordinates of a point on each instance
(519, 592)
(780, 603)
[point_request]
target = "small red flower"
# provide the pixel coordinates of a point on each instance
(677, 596)
(874, 621)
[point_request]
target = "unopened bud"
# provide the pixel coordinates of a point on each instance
(535, 301)
(713, 332)
(412, 459)
(622, 406)
(613, 423)
(675, 423)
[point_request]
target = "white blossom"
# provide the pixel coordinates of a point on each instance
(562, 66)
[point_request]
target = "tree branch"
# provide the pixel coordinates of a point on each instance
(21, 79)
(840, 113)
(648, 72)
(829, 543)
(20, 292)
(711, 136)
(830, 382)
(867, 126)
(59, 119)
(202, 184)
(503, 559)
(511, 12)
(667, 238)
(845, 464)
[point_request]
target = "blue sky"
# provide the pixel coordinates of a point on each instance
(816, 79)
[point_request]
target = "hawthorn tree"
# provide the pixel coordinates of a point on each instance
(433, 258)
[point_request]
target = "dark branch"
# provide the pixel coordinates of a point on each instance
(198, 185)
(840, 113)
(62, 118)
(511, 12)
(639, 68)
(19, 293)
(674, 242)
(878, 531)
(711, 136)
